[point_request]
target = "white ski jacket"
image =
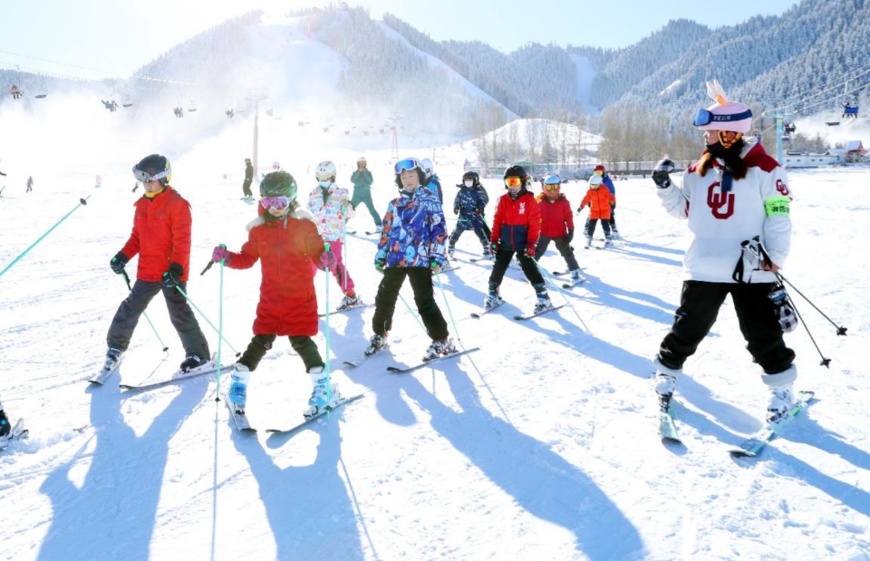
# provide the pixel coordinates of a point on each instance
(757, 205)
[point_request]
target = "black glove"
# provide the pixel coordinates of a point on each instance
(172, 277)
(118, 262)
(570, 235)
(662, 173)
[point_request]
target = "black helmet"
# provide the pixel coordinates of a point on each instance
(472, 175)
(518, 171)
(153, 168)
(278, 184)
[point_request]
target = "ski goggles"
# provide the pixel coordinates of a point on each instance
(144, 176)
(551, 187)
(277, 203)
(513, 181)
(705, 117)
(407, 165)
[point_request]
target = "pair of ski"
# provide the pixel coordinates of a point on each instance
(477, 315)
(355, 363)
(346, 309)
(18, 432)
(750, 447)
(152, 382)
(240, 419)
(571, 283)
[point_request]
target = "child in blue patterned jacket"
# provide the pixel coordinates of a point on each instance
(412, 246)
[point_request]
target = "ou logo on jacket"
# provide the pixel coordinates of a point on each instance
(721, 204)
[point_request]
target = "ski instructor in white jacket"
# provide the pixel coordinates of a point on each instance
(732, 194)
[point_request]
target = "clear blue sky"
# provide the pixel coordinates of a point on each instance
(100, 38)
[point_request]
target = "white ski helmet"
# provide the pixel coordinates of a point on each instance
(428, 167)
(325, 172)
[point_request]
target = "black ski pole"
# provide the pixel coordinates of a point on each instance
(840, 329)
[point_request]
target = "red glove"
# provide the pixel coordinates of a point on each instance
(530, 251)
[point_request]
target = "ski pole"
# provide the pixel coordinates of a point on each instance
(82, 202)
(154, 329)
(449, 311)
(840, 329)
(211, 262)
(826, 362)
(549, 279)
(326, 366)
(217, 375)
(203, 316)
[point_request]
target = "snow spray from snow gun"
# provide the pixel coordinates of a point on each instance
(154, 329)
(82, 202)
(756, 249)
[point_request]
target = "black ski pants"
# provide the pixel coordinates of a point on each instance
(591, 223)
(699, 306)
(304, 345)
(562, 245)
(127, 317)
(424, 297)
(246, 188)
(528, 264)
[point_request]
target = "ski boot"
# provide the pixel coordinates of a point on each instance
(5, 427)
(191, 362)
(349, 301)
(665, 384)
(113, 359)
(238, 394)
(376, 343)
(543, 303)
(576, 276)
(324, 395)
(439, 348)
(492, 300)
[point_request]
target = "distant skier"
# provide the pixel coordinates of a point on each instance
(15, 91)
(734, 192)
(599, 202)
(249, 177)
(470, 205)
(161, 238)
(285, 241)
(362, 190)
(29, 184)
(608, 182)
(557, 224)
(331, 208)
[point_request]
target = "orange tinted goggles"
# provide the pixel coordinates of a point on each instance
(513, 181)
(554, 187)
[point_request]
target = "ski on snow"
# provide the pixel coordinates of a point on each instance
(354, 363)
(309, 420)
(146, 384)
(536, 314)
(573, 282)
(344, 310)
(477, 315)
(104, 374)
(17, 432)
(753, 445)
(239, 417)
(402, 370)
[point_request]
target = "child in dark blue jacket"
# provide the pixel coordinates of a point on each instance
(470, 203)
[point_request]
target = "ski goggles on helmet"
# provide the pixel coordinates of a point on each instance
(407, 165)
(513, 181)
(705, 117)
(277, 203)
(144, 176)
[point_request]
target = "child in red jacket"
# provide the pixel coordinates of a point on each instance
(515, 230)
(557, 224)
(599, 202)
(286, 242)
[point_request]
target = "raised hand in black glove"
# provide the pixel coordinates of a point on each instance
(662, 173)
(118, 262)
(172, 277)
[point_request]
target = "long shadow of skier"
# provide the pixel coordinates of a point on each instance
(542, 482)
(301, 501)
(121, 491)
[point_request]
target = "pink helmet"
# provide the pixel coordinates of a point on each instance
(724, 115)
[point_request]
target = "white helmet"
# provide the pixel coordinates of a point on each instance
(428, 167)
(595, 181)
(362, 160)
(325, 171)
